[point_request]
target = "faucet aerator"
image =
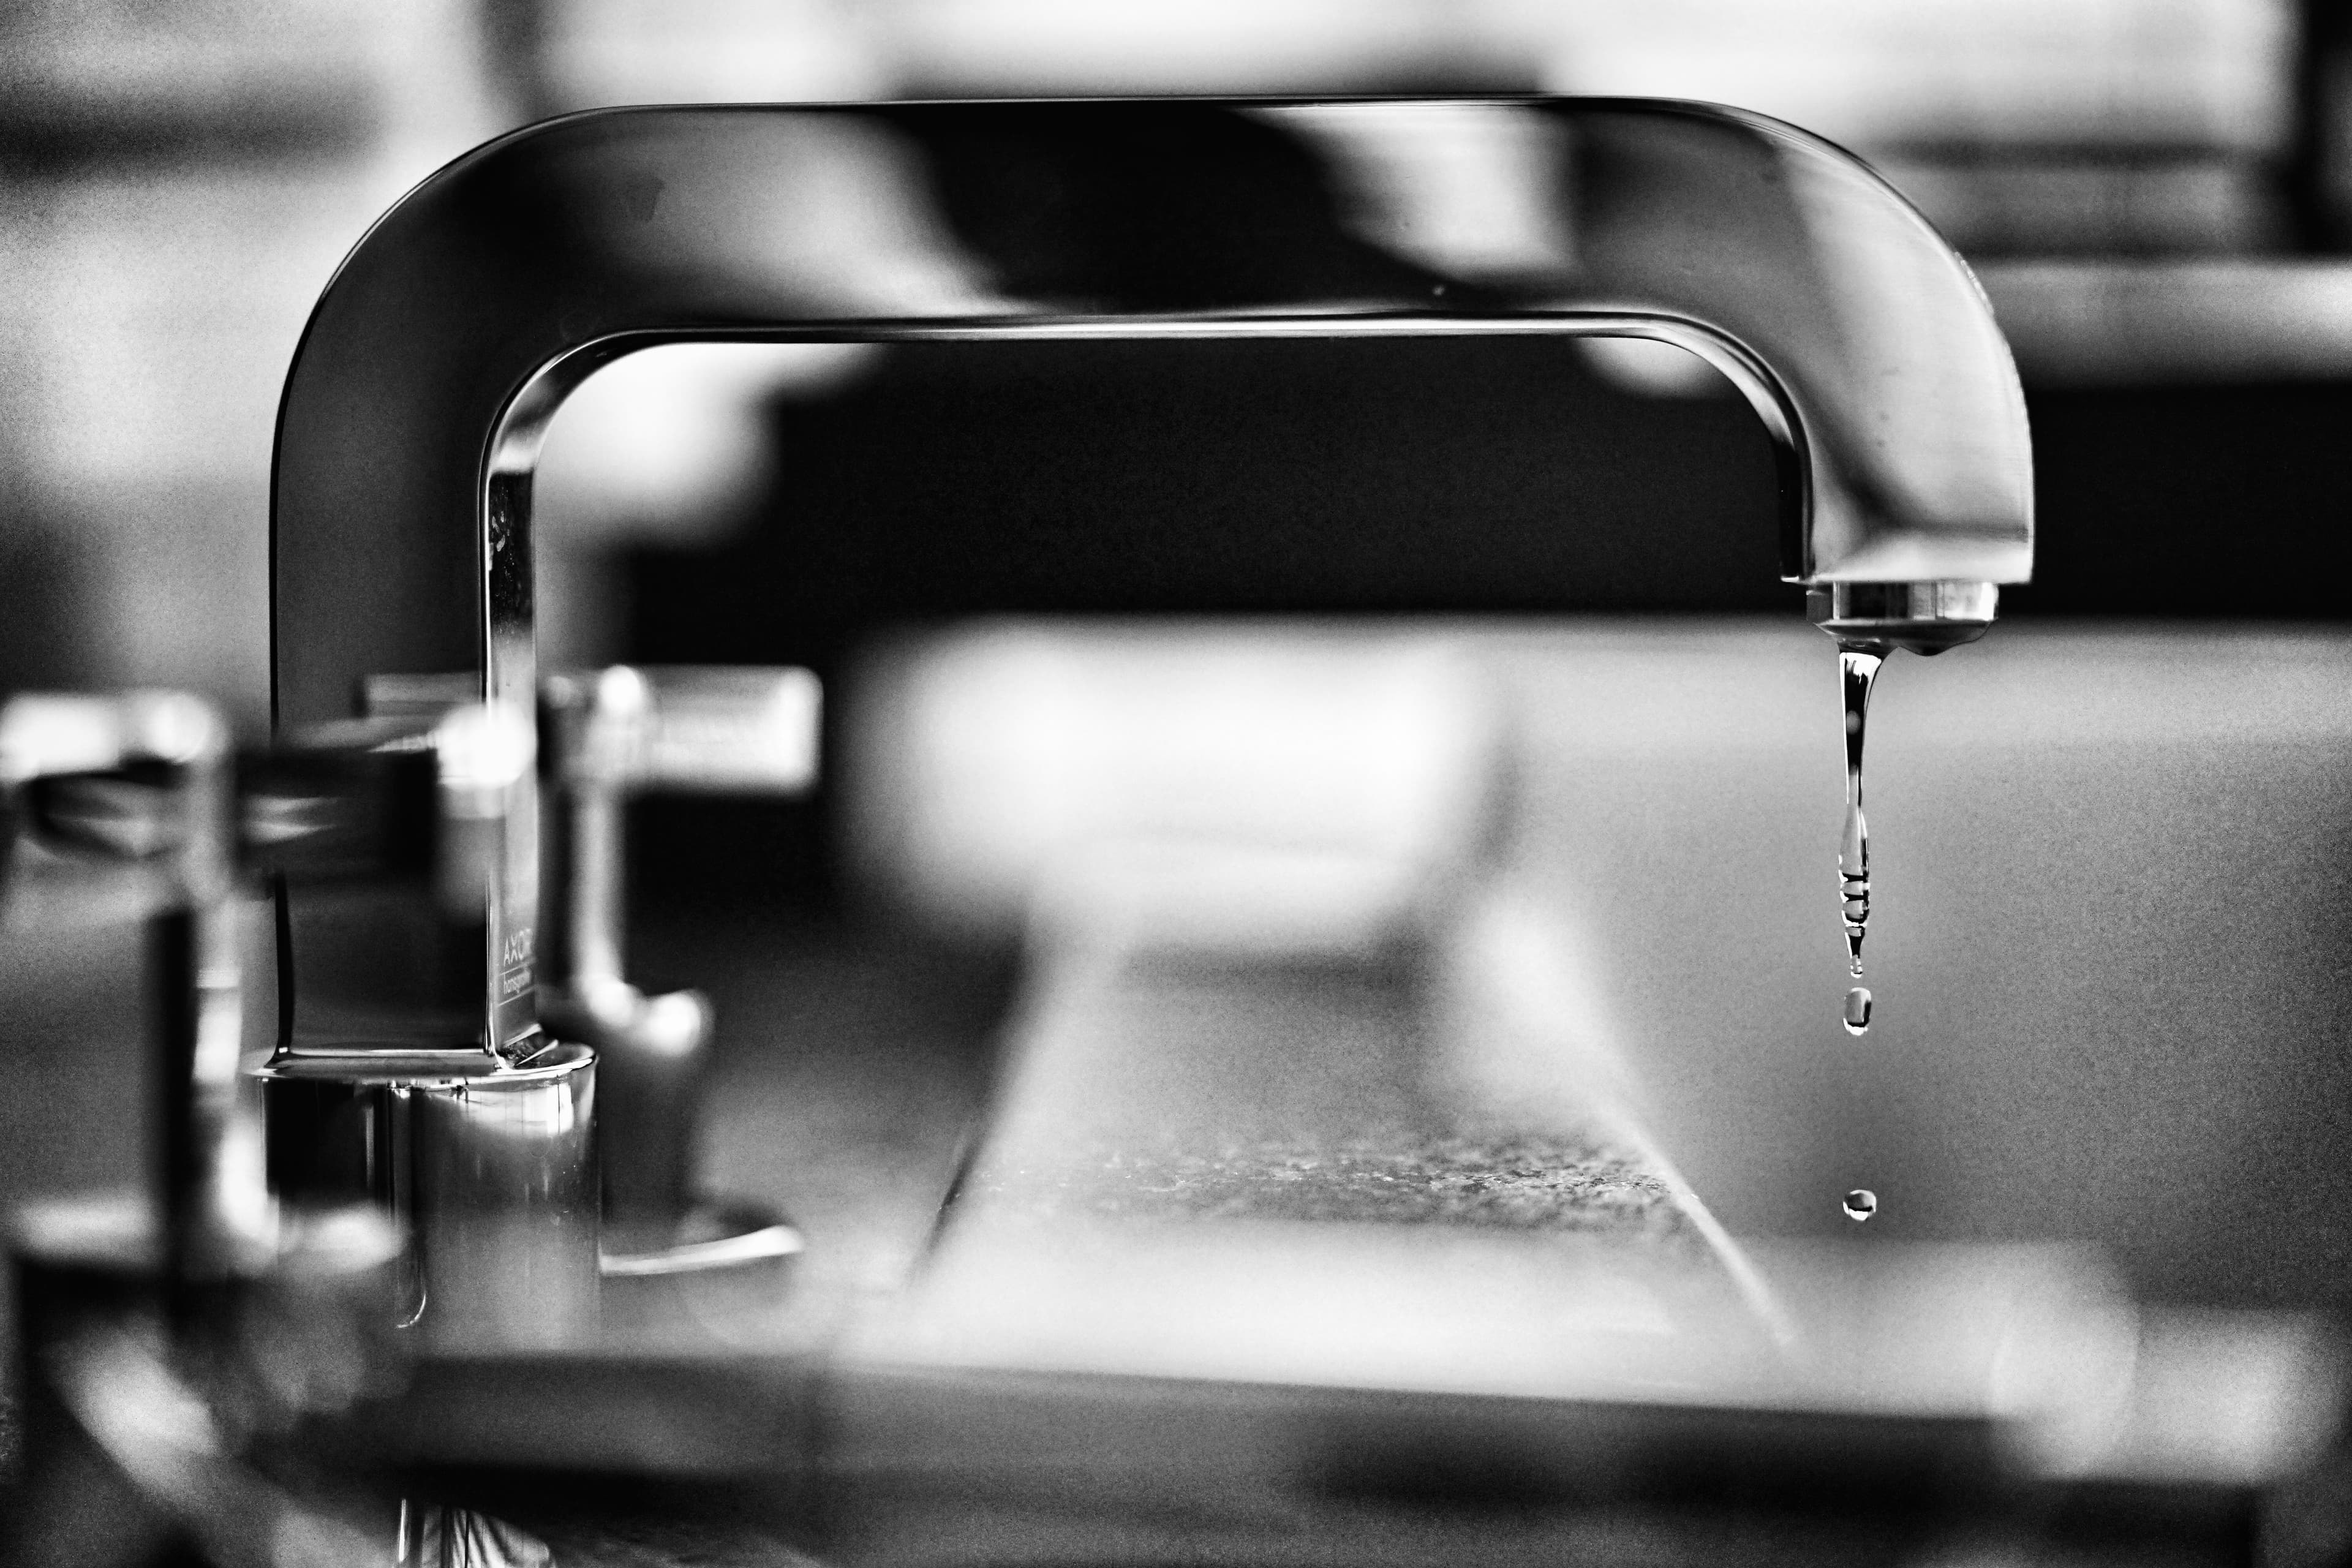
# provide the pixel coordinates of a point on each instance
(1923, 618)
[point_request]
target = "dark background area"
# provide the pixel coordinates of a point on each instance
(1373, 478)
(1445, 475)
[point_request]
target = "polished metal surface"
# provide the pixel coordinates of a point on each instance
(676, 730)
(1925, 618)
(489, 1175)
(485, 1165)
(391, 830)
(410, 424)
(607, 735)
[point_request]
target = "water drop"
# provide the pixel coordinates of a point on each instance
(1858, 665)
(1860, 1203)
(1858, 1010)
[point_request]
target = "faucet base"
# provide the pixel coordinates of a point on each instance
(1925, 618)
(488, 1175)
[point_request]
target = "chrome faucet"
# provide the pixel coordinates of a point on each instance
(401, 510)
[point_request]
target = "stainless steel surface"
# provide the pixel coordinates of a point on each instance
(1925, 618)
(1936, 1378)
(2044, 1414)
(607, 735)
(741, 1237)
(486, 1165)
(396, 828)
(1976, 1394)
(401, 509)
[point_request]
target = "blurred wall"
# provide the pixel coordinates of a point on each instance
(176, 185)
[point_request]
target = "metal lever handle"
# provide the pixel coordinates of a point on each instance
(122, 778)
(609, 735)
(625, 730)
(687, 730)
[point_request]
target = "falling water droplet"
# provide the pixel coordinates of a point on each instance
(1858, 665)
(1854, 866)
(1860, 1203)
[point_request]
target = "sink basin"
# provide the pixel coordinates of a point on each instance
(2109, 1004)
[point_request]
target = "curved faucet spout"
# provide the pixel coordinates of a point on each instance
(400, 507)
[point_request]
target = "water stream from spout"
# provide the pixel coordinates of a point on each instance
(1858, 665)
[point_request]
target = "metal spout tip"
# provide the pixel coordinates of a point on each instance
(1923, 618)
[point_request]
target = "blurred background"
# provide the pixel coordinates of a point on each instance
(2113, 840)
